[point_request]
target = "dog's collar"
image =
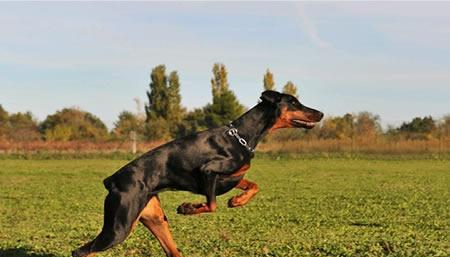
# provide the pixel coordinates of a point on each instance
(232, 131)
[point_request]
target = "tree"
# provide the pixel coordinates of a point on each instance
(445, 127)
(4, 123)
(225, 106)
(269, 83)
(193, 122)
(418, 128)
(71, 124)
(157, 129)
(164, 111)
(175, 111)
(157, 96)
(290, 89)
(337, 127)
(18, 126)
(367, 125)
(23, 127)
(219, 82)
(127, 123)
(3, 115)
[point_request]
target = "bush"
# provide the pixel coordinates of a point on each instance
(72, 124)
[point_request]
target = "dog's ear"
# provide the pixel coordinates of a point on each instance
(271, 96)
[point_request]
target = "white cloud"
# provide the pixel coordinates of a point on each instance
(309, 28)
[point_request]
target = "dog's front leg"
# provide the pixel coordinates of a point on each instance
(250, 190)
(209, 206)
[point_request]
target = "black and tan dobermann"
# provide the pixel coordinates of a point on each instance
(209, 163)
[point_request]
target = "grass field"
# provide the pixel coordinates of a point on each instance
(316, 207)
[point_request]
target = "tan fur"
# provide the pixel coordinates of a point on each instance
(154, 219)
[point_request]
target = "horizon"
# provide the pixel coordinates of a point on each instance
(391, 59)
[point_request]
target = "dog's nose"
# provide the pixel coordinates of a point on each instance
(320, 115)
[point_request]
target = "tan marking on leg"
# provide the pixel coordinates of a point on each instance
(250, 190)
(154, 219)
(196, 208)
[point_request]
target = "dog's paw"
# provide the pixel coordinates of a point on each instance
(189, 208)
(184, 208)
(234, 202)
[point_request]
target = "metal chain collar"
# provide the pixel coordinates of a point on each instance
(232, 131)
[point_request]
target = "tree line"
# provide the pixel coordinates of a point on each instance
(165, 118)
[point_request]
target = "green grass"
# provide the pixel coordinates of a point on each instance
(309, 207)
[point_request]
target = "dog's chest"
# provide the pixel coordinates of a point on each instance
(228, 182)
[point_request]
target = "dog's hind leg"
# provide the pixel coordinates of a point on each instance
(122, 212)
(155, 220)
(250, 190)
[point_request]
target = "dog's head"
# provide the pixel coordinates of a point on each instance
(290, 112)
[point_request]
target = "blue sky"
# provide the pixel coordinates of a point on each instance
(392, 59)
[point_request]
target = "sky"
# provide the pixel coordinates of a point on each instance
(388, 58)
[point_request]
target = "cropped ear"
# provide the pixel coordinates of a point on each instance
(271, 96)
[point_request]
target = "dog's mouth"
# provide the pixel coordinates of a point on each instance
(303, 124)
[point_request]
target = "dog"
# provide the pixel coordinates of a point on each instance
(209, 163)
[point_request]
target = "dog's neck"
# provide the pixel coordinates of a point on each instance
(256, 122)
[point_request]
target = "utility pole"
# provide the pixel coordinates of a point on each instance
(441, 141)
(133, 139)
